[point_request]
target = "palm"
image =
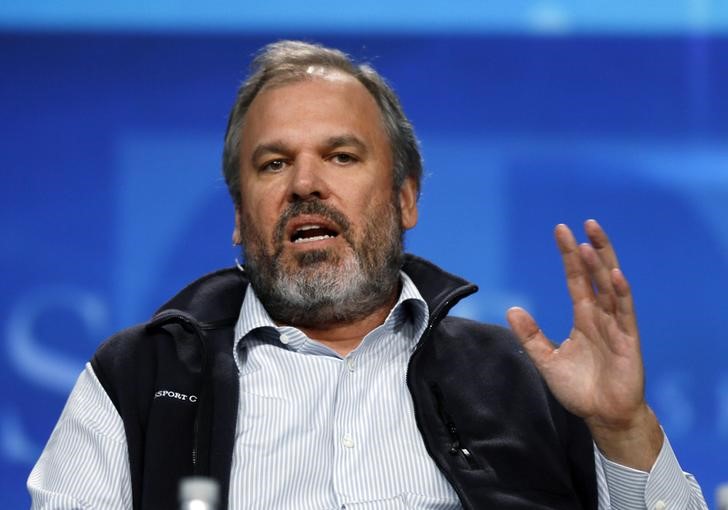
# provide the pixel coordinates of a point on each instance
(597, 372)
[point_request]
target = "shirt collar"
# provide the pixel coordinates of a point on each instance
(410, 309)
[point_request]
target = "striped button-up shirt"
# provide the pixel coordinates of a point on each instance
(322, 431)
(315, 430)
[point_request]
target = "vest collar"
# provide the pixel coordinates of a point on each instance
(215, 299)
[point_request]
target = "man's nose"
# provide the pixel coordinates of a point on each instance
(308, 179)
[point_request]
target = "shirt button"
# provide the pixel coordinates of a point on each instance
(350, 364)
(660, 505)
(347, 441)
(284, 338)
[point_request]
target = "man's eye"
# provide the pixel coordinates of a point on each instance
(343, 159)
(273, 166)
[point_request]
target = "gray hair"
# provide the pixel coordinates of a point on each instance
(287, 61)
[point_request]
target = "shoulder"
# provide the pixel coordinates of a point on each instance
(122, 348)
(124, 358)
(476, 343)
(212, 301)
(459, 328)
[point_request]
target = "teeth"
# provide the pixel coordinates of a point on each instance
(310, 239)
(307, 227)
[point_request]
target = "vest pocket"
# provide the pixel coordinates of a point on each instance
(457, 448)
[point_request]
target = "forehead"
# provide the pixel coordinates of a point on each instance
(323, 102)
(312, 73)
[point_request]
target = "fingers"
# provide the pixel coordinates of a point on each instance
(592, 273)
(600, 241)
(626, 316)
(578, 279)
(606, 295)
(530, 335)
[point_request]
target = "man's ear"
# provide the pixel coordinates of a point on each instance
(408, 203)
(237, 239)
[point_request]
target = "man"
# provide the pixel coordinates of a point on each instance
(326, 372)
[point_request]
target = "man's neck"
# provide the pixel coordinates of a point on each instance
(345, 337)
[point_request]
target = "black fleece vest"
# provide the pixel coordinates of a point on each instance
(485, 415)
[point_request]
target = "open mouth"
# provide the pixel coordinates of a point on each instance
(312, 232)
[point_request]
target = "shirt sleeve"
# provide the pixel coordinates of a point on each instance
(666, 486)
(85, 463)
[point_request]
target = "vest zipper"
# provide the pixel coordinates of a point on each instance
(170, 317)
(437, 315)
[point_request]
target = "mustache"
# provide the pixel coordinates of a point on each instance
(316, 207)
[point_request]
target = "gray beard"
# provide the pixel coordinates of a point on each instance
(325, 288)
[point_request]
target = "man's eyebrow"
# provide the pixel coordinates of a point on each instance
(276, 147)
(333, 142)
(343, 140)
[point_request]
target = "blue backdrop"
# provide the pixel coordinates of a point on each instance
(112, 196)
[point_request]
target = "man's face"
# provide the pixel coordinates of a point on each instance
(320, 221)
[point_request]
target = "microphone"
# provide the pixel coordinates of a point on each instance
(198, 493)
(721, 496)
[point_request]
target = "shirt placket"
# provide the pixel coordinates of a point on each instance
(347, 440)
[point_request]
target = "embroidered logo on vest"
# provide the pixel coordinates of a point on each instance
(176, 395)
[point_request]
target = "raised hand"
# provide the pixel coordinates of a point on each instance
(597, 373)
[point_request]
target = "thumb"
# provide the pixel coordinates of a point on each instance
(530, 335)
